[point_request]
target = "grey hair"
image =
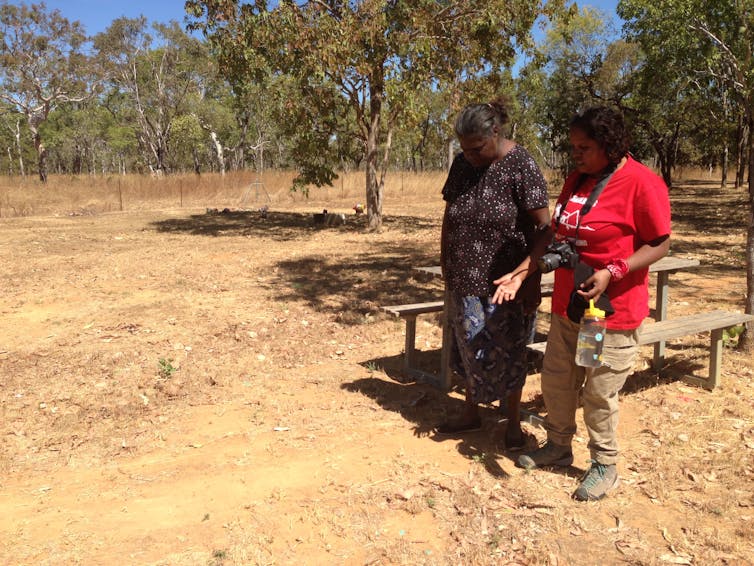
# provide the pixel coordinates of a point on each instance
(481, 119)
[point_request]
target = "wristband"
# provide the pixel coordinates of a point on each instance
(618, 269)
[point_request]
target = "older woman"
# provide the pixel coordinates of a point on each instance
(626, 229)
(496, 214)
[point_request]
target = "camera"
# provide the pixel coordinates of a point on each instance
(558, 254)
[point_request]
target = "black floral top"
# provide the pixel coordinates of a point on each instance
(488, 230)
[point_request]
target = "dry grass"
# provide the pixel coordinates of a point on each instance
(284, 433)
(86, 195)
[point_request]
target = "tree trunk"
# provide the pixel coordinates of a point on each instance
(373, 188)
(666, 173)
(421, 147)
(746, 341)
(41, 156)
(17, 135)
(740, 152)
(218, 152)
(724, 166)
(385, 162)
(197, 162)
(664, 154)
(77, 158)
(373, 192)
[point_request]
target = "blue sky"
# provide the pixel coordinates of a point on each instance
(96, 15)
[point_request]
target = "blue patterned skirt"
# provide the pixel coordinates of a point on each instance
(489, 345)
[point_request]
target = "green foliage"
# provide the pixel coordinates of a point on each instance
(42, 66)
(151, 74)
(730, 335)
(702, 68)
(480, 458)
(357, 67)
(577, 74)
(186, 137)
(165, 368)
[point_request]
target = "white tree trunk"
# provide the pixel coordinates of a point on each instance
(218, 151)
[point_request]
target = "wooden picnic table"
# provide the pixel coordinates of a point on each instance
(662, 268)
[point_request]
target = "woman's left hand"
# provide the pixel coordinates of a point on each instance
(595, 285)
(507, 287)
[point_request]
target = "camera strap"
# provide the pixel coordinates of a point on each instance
(591, 199)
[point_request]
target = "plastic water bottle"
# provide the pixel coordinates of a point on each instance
(591, 337)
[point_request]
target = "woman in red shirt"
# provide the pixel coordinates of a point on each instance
(626, 229)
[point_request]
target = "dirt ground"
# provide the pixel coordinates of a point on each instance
(185, 388)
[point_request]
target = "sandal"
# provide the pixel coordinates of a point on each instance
(456, 427)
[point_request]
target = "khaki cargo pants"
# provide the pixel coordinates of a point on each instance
(563, 380)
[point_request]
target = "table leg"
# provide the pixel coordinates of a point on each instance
(661, 313)
(445, 373)
(410, 348)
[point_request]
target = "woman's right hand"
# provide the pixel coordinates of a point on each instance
(595, 285)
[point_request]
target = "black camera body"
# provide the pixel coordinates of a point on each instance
(558, 254)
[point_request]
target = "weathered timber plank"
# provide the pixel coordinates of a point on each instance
(414, 308)
(691, 324)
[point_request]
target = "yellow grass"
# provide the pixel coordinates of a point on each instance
(89, 194)
(73, 195)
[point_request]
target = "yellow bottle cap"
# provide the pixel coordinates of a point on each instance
(594, 311)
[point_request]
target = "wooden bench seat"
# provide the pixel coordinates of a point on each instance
(714, 322)
(409, 313)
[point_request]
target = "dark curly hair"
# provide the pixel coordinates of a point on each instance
(606, 126)
(479, 119)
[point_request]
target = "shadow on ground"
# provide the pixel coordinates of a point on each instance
(354, 288)
(277, 225)
(357, 287)
(425, 406)
(705, 214)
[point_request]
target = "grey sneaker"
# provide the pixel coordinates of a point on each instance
(597, 482)
(550, 454)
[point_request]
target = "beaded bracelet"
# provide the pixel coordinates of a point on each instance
(618, 269)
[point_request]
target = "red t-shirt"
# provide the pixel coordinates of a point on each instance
(632, 210)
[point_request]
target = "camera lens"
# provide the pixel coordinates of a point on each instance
(548, 262)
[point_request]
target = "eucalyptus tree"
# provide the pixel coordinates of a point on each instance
(157, 72)
(423, 146)
(713, 39)
(251, 116)
(588, 64)
(356, 64)
(76, 139)
(42, 66)
(11, 136)
(187, 141)
(566, 75)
